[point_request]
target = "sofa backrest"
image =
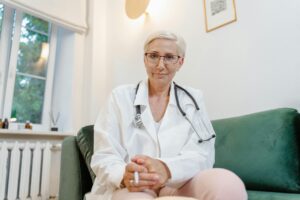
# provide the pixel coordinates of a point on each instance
(85, 142)
(262, 148)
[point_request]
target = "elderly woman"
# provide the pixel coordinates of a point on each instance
(155, 139)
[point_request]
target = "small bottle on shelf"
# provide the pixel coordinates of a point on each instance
(28, 125)
(5, 124)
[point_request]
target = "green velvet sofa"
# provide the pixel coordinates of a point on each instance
(261, 148)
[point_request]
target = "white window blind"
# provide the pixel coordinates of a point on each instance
(70, 14)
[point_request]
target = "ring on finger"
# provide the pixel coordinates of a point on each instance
(131, 182)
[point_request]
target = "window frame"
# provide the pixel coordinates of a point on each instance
(5, 44)
(1, 5)
(9, 63)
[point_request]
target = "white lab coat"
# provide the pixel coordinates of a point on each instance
(116, 139)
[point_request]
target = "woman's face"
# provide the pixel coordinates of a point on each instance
(161, 70)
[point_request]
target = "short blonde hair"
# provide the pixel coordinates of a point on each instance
(180, 43)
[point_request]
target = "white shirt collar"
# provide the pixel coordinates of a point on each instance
(141, 98)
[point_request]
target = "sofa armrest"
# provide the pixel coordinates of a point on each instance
(75, 180)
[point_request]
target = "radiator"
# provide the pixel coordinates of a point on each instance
(25, 170)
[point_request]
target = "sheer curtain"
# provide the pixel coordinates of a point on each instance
(71, 14)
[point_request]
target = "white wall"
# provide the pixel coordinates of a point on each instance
(68, 92)
(244, 67)
(80, 75)
(95, 87)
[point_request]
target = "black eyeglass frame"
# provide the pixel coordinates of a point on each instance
(164, 57)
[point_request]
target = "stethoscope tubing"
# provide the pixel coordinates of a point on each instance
(139, 123)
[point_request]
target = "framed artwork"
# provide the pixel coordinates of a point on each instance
(218, 13)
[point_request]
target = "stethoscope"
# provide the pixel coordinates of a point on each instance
(139, 123)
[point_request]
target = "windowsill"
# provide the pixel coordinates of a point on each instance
(25, 132)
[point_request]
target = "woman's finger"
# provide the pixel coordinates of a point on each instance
(132, 167)
(149, 177)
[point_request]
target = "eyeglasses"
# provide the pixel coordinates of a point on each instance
(154, 58)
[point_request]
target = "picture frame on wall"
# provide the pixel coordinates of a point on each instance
(219, 13)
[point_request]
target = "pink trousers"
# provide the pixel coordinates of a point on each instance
(212, 184)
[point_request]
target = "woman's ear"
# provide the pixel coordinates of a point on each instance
(180, 62)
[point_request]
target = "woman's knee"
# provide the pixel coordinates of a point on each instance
(124, 194)
(221, 184)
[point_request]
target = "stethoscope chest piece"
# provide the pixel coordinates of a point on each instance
(138, 123)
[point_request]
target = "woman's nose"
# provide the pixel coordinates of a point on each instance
(161, 62)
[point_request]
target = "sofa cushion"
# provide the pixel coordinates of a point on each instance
(262, 195)
(262, 148)
(85, 141)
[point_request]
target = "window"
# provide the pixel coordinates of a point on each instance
(31, 71)
(28, 70)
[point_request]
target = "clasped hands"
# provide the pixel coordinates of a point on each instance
(153, 174)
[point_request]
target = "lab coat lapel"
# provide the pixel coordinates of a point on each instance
(172, 115)
(149, 122)
(146, 115)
